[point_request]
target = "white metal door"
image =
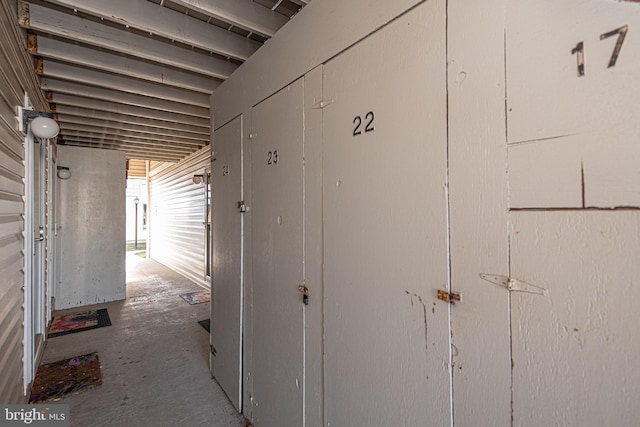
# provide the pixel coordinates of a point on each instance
(575, 348)
(277, 256)
(387, 336)
(226, 304)
(573, 147)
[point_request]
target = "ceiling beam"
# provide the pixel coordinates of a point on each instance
(152, 18)
(132, 144)
(118, 133)
(130, 154)
(48, 47)
(64, 71)
(72, 27)
(149, 126)
(245, 14)
(114, 126)
(142, 145)
(78, 105)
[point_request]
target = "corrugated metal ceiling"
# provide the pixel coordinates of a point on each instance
(136, 75)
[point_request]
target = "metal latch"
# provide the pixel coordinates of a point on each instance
(242, 207)
(513, 284)
(450, 297)
(305, 294)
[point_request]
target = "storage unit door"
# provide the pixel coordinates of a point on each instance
(277, 255)
(575, 348)
(385, 247)
(226, 304)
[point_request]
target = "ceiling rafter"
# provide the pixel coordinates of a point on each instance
(244, 14)
(50, 21)
(152, 18)
(80, 55)
(137, 75)
(80, 75)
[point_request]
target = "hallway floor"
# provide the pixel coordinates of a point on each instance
(154, 358)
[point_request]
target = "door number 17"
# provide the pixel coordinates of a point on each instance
(579, 49)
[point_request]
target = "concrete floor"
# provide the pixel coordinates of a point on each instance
(154, 358)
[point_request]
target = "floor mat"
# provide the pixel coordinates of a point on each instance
(70, 376)
(196, 297)
(77, 322)
(206, 324)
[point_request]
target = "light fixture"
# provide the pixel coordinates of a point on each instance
(136, 200)
(63, 172)
(197, 179)
(42, 124)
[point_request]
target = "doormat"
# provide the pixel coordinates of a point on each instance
(77, 322)
(70, 376)
(196, 297)
(206, 324)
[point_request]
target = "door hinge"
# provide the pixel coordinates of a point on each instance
(305, 294)
(513, 284)
(242, 207)
(450, 297)
(213, 350)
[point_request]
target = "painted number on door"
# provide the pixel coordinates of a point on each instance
(272, 157)
(579, 49)
(368, 123)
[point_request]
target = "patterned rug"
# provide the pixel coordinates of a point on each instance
(77, 322)
(196, 297)
(70, 376)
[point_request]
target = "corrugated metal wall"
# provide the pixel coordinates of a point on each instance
(176, 235)
(16, 77)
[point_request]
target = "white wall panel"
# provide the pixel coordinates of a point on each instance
(581, 125)
(91, 227)
(177, 214)
(478, 213)
(321, 31)
(574, 349)
(387, 356)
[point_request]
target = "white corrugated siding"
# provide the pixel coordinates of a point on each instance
(16, 77)
(176, 235)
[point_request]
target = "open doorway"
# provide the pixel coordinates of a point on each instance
(136, 205)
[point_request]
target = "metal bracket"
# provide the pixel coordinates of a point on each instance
(321, 104)
(213, 350)
(28, 115)
(450, 297)
(242, 207)
(513, 284)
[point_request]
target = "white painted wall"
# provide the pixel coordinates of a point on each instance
(91, 227)
(539, 183)
(177, 215)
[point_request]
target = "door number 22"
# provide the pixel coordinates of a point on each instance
(368, 126)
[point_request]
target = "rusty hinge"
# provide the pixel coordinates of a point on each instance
(305, 294)
(450, 297)
(513, 284)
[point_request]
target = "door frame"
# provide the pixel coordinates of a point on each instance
(36, 298)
